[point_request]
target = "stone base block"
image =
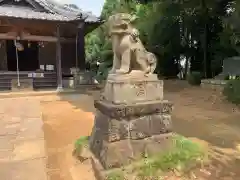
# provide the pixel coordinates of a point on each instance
(111, 130)
(119, 111)
(122, 133)
(128, 89)
(124, 152)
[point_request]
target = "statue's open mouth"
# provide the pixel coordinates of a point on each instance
(121, 25)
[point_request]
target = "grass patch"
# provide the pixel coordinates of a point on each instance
(184, 155)
(232, 90)
(115, 175)
(80, 143)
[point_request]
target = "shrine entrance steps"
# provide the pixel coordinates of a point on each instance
(48, 79)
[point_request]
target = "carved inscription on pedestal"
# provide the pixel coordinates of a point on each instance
(139, 91)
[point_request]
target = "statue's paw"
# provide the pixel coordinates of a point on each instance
(122, 71)
(148, 70)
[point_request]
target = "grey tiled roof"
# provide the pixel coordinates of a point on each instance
(54, 7)
(25, 13)
(52, 11)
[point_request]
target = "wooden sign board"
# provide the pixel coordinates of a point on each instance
(38, 75)
(30, 75)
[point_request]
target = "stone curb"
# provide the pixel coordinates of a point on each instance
(10, 94)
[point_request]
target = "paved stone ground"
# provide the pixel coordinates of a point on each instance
(22, 146)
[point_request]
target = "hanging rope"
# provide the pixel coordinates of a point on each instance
(18, 79)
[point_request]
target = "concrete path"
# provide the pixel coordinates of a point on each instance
(22, 145)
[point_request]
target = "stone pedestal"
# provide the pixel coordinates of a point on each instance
(132, 120)
(133, 89)
(82, 78)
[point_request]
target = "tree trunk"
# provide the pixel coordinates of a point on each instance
(205, 51)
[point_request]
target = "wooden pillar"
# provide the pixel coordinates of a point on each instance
(81, 62)
(3, 55)
(59, 61)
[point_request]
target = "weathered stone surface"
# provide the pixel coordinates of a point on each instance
(117, 130)
(117, 142)
(112, 130)
(139, 128)
(160, 123)
(118, 90)
(96, 141)
(140, 109)
(117, 154)
(150, 125)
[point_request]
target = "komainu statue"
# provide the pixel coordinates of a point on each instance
(129, 52)
(132, 117)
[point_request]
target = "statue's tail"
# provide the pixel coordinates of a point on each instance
(152, 60)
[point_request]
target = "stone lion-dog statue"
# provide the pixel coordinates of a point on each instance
(129, 52)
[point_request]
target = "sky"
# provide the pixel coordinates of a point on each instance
(95, 6)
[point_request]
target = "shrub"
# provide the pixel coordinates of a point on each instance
(232, 77)
(115, 175)
(194, 78)
(181, 157)
(103, 70)
(80, 143)
(232, 91)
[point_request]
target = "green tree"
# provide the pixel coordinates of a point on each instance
(202, 31)
(232, 25)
